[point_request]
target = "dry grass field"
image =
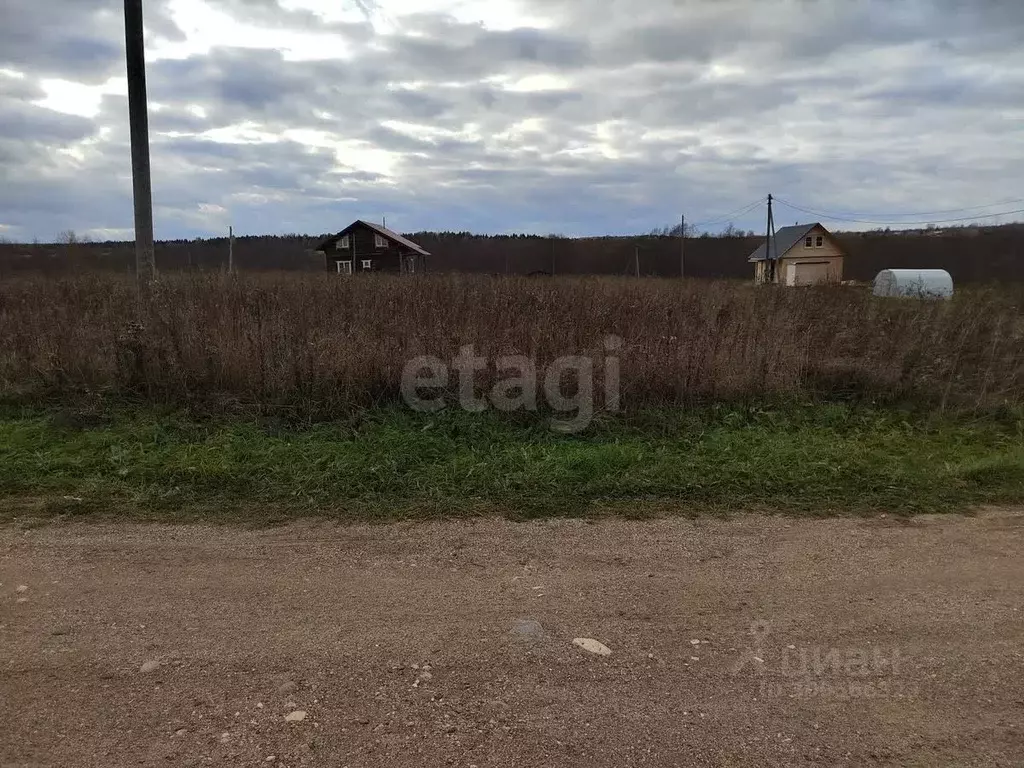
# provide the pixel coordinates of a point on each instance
(316, 345)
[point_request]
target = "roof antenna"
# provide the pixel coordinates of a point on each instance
(385, 224)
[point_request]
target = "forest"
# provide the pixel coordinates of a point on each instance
(970, 254)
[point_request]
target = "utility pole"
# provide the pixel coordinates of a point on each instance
(138, 117)
(231, 250)
(637, 259)
(770, 255)
(682, 246)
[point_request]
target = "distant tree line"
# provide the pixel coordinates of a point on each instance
(970, 254)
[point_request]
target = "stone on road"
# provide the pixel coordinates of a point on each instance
(593, 646)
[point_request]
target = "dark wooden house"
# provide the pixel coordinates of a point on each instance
(366, 247)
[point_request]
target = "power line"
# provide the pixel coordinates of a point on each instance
(934, 213)
(830, 217)
(865, 218)
(725, 217)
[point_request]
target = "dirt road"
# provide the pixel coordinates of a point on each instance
(751, 642)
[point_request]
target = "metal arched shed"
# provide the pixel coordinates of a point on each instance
(914, 283)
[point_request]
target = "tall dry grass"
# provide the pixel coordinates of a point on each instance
(319, 343)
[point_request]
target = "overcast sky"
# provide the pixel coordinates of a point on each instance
(548, 116)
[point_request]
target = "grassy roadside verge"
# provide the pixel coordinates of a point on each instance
(393, 464)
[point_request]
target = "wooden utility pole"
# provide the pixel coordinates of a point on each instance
(138, 117)
(682, 246)
(231, 250)
(770, 255)
(636, 256)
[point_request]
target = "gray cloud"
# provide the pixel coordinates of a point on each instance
(270, 13)
(82, 40)
(25, 122)
(81, 43)
(664, 106)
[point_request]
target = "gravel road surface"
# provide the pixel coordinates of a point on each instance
(758, 641)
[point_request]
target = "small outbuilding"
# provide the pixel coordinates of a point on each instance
(914, 283)
(367, 247)
(806, 254)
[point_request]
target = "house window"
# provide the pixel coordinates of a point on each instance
(412, 265)
(367, 263)
(344, 267)
(343, 244)
(819, 241)
(379, 241)
(809, 242)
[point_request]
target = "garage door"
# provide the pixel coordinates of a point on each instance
(810, 273)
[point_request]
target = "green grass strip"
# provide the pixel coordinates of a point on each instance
(393, 464)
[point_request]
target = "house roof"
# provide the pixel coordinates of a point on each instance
(785, 239)
(394, 236)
